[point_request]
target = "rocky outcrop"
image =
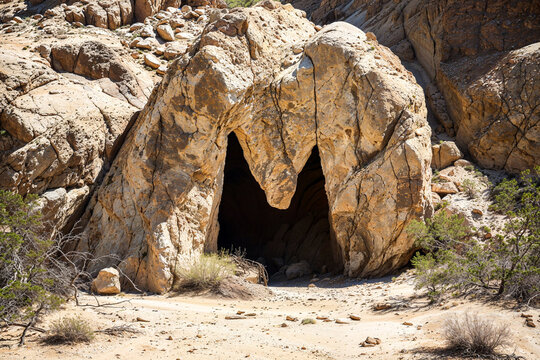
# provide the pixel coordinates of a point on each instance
(145, 8)
(265, 74)
(496, 107)
(454, 41)
(107, 14)
(95, 60)
(61, 131)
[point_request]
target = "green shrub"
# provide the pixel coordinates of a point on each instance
(70, 330)
(475, 336)
(27, 285)
(462, 261)
(206, 272)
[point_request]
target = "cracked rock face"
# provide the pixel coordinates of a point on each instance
(265, 74)
(61, 131)
(483, 57)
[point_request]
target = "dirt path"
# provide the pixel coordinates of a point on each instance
(196, 327)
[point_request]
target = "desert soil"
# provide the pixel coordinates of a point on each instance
(196, 327)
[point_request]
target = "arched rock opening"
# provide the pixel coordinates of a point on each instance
(158, 205)
(272, 236)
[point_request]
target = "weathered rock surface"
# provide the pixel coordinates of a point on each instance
(281, 94)
(107, 14)
(470, 51)
(107, 282)
(496, 107)
(445, 154)
(62, 130)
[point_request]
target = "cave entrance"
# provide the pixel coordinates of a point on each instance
(271, 236)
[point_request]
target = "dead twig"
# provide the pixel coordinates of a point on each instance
(120, 329)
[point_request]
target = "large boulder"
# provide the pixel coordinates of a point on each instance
(107, 282)
(281, 95)
(496, 107)
(444, 154)
(482, 56)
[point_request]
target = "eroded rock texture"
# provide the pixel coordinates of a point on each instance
(61, 131)
(266, 75)
(489, 101)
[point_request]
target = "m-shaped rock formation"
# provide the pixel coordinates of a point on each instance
(267, 75)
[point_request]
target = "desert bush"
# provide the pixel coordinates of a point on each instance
(206, 272)
(470, 187)
(70, 330)
(36, 275)
(475, 336)
(28, 285)
(460, 260)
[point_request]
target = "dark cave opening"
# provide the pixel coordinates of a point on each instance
(271, 236)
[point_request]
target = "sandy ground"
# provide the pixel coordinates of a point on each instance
(183, 327)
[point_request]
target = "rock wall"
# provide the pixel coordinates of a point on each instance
(282, 87)
(453, 40)
(61, 131)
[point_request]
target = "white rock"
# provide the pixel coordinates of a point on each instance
(166, 32)
(152, 61)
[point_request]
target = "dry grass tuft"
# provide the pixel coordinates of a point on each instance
(70, 330)
(206, 272)
(473, 335)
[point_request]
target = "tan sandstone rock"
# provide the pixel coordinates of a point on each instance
(63, 130)
(444, 188)
(445, 154)
(484, 59)
(165, 32)
(107, 282)
(344, 93)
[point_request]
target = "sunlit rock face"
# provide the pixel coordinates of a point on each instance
(481, 60)
(283, 88)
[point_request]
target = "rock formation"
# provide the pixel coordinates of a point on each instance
(107, 282)
(267, 75)
(60, 130)
(480, 56)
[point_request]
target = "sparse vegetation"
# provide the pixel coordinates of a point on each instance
(206, 272)
(470, 187)
(36, 275)
(241, 3)
(70, 330)
(28, 284)
(462, 261)
(475, 336)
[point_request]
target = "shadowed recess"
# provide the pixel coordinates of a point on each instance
(271, 236)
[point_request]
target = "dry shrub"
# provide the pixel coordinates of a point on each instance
(473, 335)
(70, 330)
(206, 272)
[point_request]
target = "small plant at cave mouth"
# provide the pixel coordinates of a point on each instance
(70, 330)
(206, 272)
(472, 335)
